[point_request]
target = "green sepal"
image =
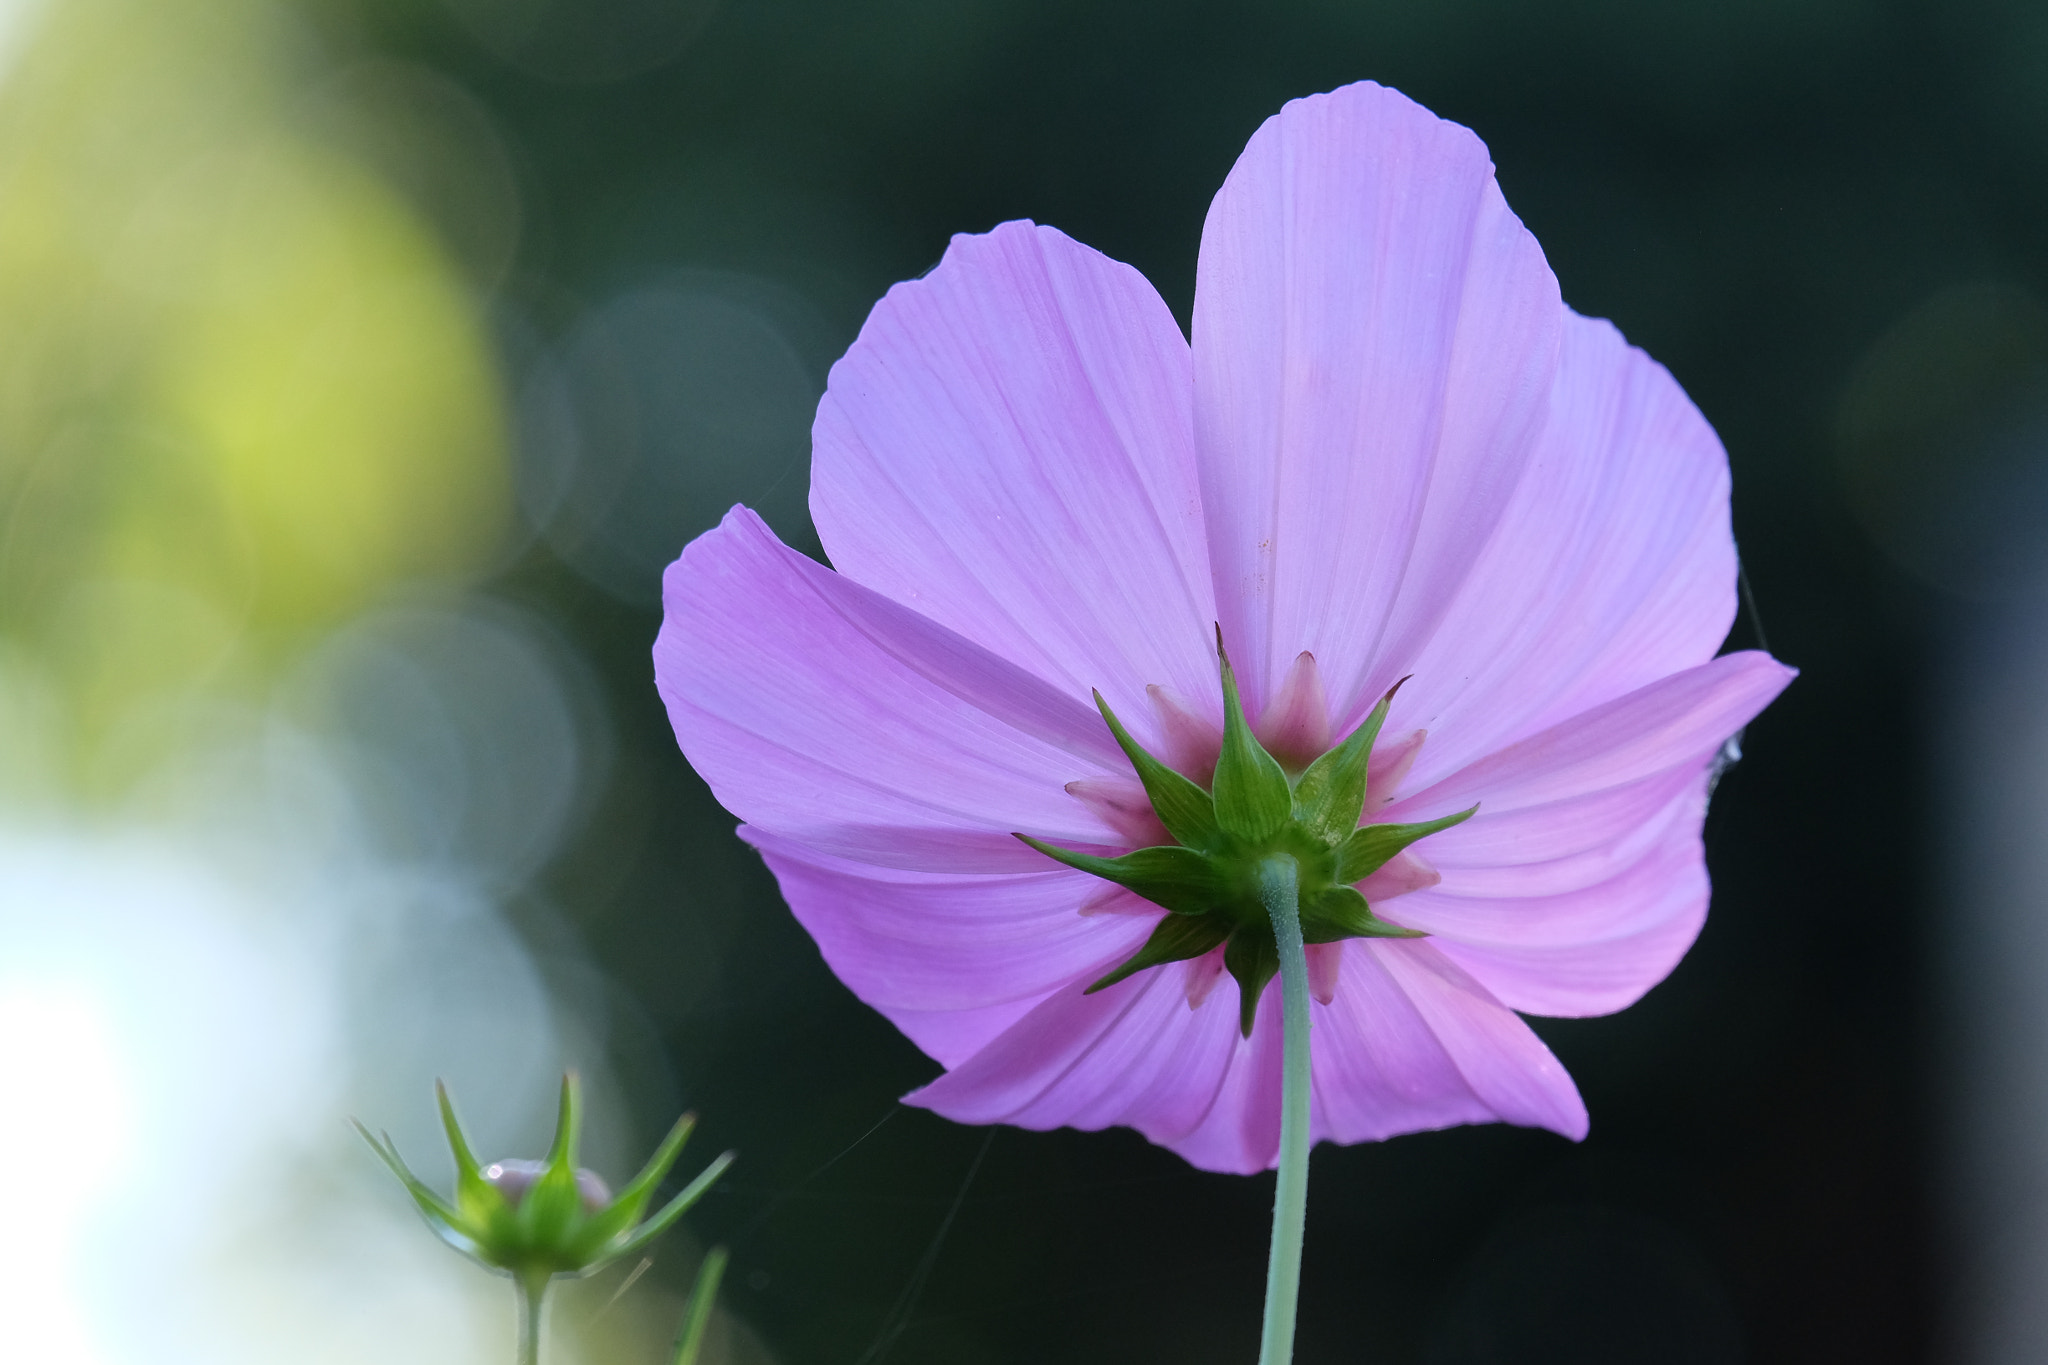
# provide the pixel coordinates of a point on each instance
(1253, 800)
(444, 1218)
(615, 1222)
(1369, 847)
(483, 1207)
(568, 1124)
(1330, 797)
(1254, 959)
(626, 1207)
(672, 1210)
(1180, 879)
(551, 1213)
(1176, 939)
(1340, 912)
(1187, 811)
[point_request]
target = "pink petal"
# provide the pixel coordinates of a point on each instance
(1581, 880)
(1189, 738)
(1516, 847)
(1587, 935)
(1122, 805)
(822, 712)
(1413, 1042)
(1110, 899)
(1406, 871)
(1378, 1067)
(1613, 566)
(1008, 448)
(1409, 1042)
(1325, 961)
(1133, 1054)
(1295, 727)
(1240, 1131)
(1374, 339)
(1676, 723)
(1205, 974)
(1393, 756)
(952, 960)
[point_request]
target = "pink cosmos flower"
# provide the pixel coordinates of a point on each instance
(1390, 452)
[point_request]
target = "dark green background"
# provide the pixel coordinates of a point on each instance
(1757, 193)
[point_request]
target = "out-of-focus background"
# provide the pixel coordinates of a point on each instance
(363, 361)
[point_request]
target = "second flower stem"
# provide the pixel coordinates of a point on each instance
(1279, 889)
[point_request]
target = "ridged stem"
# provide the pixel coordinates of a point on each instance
(1279, 890)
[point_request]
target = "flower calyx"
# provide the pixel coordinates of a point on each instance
(1253, 811)
(539, 1219)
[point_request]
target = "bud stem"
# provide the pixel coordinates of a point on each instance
(533, 1293)
(1279, 890)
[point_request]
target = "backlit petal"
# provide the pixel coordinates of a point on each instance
(822, 712)
(1410, 1041)
(1405, 872)
(1582, 881)
(1675, 724)
(1379, 1068)
(1486, 1060)
(1008, 447)
(1374, 340)
(1581, 936)
(939, 954)
(1133, 1054)
(1612, 568)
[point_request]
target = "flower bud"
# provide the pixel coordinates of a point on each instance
(539, 1219)
(514, 1177)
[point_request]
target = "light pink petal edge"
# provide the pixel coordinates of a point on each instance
(1613, 566)
(1008, 447)
(1410, 1042)
(1374, 340)
(827, 714)
(1582, 879)
(951, 959)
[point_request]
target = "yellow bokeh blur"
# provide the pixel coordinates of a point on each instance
(247, 402)
(244, 392)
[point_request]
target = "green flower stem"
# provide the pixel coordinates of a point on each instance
(1279, 889)
(533, 1295)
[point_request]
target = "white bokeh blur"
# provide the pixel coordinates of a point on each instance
(294, 926)
(275, 774)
